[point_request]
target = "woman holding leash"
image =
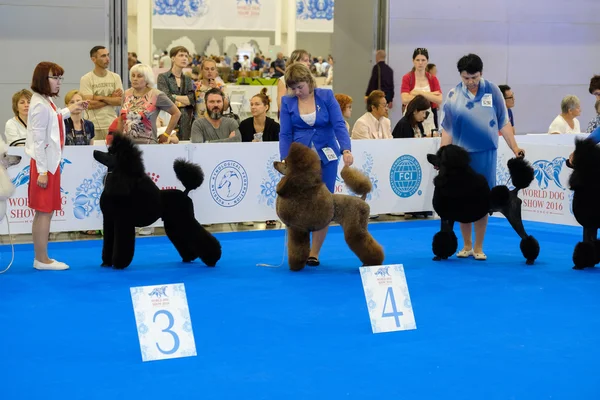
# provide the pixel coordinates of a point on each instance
(313, 117)
(474, 111)
(44, 143)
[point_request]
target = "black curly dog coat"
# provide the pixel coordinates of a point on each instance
(585, 184)
(130, 199)
(463, 195)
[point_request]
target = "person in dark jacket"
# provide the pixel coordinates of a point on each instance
(411, 125)
(382, 78)
(259, 127)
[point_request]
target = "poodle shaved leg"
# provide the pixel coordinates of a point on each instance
(124, 245)
(466, 232)
(40, 232)
(480, 228)
(318, 238)
(108, 241)
(298, 248)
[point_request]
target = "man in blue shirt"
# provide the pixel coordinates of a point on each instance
(509, 99)
(474, 112)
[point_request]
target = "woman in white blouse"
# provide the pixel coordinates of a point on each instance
(45, 141)
(566, 122)
(16, 128)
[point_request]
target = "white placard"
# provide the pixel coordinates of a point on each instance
(163, 322)
(548, 198)
(388, 300)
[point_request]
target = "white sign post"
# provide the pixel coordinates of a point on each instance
(163, 322)
(388, 300)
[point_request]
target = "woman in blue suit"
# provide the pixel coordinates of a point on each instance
(313, 117)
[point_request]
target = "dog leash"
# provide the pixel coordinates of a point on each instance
(12, 245)
(284, 251)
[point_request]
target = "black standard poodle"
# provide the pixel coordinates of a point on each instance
(130, 199)
(585, 183)
(463, 195)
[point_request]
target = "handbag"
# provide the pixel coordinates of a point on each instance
(231, 114)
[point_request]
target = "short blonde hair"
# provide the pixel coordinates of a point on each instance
(146, 71)
(569, 103)
(70, 95)
(299, 73)
(17, 96)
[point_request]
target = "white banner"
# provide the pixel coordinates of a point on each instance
(314, 16)
(548, 198)
(238, 15)
(240, 181)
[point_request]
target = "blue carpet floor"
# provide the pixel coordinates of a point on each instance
(485, 330)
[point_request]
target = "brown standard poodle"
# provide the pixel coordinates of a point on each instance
(305, 205)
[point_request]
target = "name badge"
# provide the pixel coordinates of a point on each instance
(486, 101)
(329, 153)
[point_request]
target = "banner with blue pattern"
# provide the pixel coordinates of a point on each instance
(314, 16)
(240, 181)
(238, 15)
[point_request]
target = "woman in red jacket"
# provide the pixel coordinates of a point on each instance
(419, 82)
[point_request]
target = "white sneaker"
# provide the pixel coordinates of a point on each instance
(53, 266)
(146, 231)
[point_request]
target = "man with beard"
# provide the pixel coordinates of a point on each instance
(213, 128)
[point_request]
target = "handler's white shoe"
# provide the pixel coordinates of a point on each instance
(53, 266)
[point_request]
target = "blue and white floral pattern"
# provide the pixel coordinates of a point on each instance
(268, 186)
(181, 8)
(502, 173)
(314, 9)
(367, 169)
(87, 195)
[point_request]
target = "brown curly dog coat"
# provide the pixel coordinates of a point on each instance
(305, 205)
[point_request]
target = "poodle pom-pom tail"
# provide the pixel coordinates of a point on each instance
(189, 174)
(356, 180)
(521, 172)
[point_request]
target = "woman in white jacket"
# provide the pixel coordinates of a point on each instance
(44, 144)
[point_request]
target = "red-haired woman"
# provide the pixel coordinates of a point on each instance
(44, 143)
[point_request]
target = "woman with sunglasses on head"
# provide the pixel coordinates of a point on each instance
(44, 144)
(419, 82)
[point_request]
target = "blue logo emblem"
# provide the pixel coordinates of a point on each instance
(159, 292)
(22, 177)
(548, 171)
(406, 176)
(382, 271)
(228, 183)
